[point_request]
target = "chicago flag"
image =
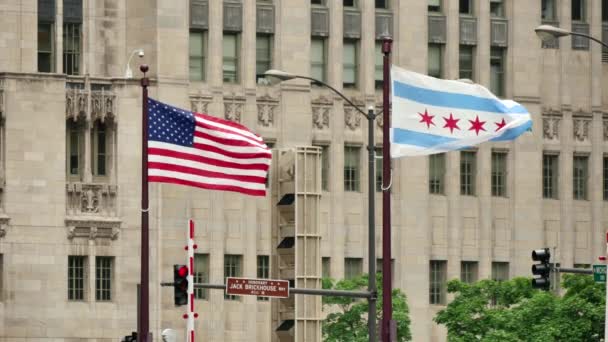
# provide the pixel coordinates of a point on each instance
(432, 115)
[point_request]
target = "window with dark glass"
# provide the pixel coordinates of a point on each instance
(579, 12)
(325, 264)
(550, 175)
(103, 278)
(263, 271)
(232, 268)
(378, 66)
(318, 58)
(580, 174)
(499, 174)
(46, 46)
(437, 173)
(76, 277)
(353, 267)
(437, 283)
(99, 148)
(349, 3)
(604, 10)
(382, 4)
(466, 62)
(263, 57)
(435, 60)
(497, 8)
(324, 167)
(465, 7)
(468, 271)
(497, 71)
(75, 145)
(230, 52)
(548, 10)
(350, 64)
(198, 55)
(201, 275)
(72, 40)
(317, 2)
(468, 167)
(500, 271)
(434, 6)
(351, 168)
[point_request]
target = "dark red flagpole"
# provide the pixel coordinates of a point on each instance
(143, 314)
(388, 326)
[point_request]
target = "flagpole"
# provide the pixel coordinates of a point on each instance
(143, 315)
(387, 307)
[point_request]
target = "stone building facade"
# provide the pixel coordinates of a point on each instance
(70, 134)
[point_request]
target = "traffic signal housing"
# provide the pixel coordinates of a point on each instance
(543, 269)
(180, 285)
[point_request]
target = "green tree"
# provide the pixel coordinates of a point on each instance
(347, 317)
(513, 311)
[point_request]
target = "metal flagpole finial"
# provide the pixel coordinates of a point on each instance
(144, 81)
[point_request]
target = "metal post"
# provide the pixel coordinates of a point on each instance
(371, 284)
(387, 307)
(142, 333)
(606, 312)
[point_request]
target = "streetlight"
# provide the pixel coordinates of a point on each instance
(277, 76)
(129, 72)
(549, 32)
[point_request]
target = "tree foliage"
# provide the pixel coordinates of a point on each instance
(514, 311)
(347, 317)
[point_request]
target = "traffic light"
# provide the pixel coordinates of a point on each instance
(180, 284)
(131, 338)
(543, 269)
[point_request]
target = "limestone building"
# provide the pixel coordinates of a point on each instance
(70, 139)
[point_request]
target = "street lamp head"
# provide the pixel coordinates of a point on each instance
(277, 76)
(549, 32)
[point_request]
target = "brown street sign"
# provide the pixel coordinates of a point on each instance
(257, 287)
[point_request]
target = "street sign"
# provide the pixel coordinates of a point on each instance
(257, 287)
(599, 273)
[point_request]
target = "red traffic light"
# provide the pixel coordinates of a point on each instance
(183, 271)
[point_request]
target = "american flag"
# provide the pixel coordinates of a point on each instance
(202, 151)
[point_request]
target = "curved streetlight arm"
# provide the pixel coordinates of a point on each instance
(339, 94)
(589, 37)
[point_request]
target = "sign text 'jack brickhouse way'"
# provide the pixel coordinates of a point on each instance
(257, 287)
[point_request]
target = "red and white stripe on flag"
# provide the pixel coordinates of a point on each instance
(202, 151)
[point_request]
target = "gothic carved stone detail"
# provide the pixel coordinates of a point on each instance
(76, 103)
(267, 107)
(91, 199)
(103, 105)
(605, 128)
(551, 124)
(580, 128)
(321, 110)
(3, 225)
(233, 108)
(200, 104)
(93, 229)
(352, 117)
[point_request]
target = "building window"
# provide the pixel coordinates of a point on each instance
(579, 12)
(605, 178)
(435, 61)
(232, 268)
(500, 271)
(437, 289)
(318, 58)
(497, 71)
(349, 56)
(349, 3)
(604, 10)
(378, 168)
(466, 62)
(351, 168)
(99, 146)
(550, 175)
(71, 48)
(353, 267)
(263, 271)
(437, 173)
(382, 4)
(76, 277)
(465, 7)
(580, 173)
(325, 267)
(468, 168)
(46, 47)
(379, 66)
(317, 2)
(324, 167)
(434, 6)
(468, 271)
(548, 10)
(103, 278)
(263, 55)
(75, 146)
(270, 146)
(499, 174)
(231, 58)
(201, 275)
(497, 8)
(198, 55)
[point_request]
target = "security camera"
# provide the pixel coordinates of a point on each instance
(169, 335)
(141, 53)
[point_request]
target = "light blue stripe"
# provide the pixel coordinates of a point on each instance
(408, 137)
(453, 100)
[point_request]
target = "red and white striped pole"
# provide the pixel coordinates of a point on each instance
(190, 315)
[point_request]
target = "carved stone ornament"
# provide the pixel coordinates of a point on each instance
(551, 125)
(91, 199)
(321, 110)
(76, 103)
(199, 103)
(352, 118)
(267, 107)
(91, 229)
(233, 108)
(102, 105)
(580, 128)
(3, 225)
(605, 129)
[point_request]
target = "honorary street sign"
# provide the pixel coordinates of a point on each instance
(599, 273)
(257, 287)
